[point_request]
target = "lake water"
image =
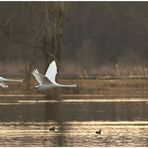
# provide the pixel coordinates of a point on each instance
(25, 121)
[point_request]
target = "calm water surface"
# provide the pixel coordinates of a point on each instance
(26, 122)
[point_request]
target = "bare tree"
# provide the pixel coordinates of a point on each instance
(36, 27)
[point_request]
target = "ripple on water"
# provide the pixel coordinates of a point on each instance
(74, 134)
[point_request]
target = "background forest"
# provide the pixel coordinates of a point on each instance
(85, 38)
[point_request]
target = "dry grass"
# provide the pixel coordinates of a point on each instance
(101, 87)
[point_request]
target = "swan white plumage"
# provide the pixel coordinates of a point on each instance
(49, 79)
(3, 80)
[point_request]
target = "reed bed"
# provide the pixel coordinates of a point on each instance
(120, 87)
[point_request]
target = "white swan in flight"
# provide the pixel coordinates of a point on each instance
(48, 80)
(3, 80)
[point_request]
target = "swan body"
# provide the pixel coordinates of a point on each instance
(47, 81)
(3, 80)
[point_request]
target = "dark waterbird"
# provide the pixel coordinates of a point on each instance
(55, 129)
(98, 132)
(52, 128)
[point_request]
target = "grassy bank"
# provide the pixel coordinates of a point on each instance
(101, 87)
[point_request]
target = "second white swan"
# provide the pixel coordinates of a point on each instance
(3, 80)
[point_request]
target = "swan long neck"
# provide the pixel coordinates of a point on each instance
(12, 80)
(62, 85)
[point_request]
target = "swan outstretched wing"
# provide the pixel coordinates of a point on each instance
(40, 77)
(2, 79)
(51, 72)
(2, 84)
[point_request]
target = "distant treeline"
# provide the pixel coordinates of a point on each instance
(82, 36)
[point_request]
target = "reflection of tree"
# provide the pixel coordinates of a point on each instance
(56, 113)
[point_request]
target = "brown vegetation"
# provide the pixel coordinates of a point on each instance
(95, 88)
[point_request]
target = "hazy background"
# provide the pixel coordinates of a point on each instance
(92, 38)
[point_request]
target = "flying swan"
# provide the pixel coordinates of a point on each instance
(3, 80)
(48, 80)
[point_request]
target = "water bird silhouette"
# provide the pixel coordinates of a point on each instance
(48, 80)
(98, 132)
(3, 80)
(52, 128)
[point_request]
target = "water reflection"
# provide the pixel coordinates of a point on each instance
(65, 111)
(74, 134)
(26, 122)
